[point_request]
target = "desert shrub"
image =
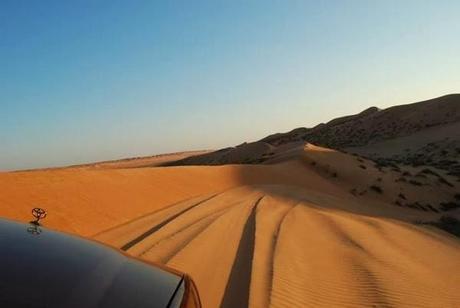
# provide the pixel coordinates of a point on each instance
(354, 192)
(445, 182)
(334, 174)
(416, 183)
(393, 165)
(449, 224)
(253, 161)
(447, 206)
(416, 162)
(429, 171)
(402, 196)
(313, 163)
(362, 167)
(380, 163)
(360, 160)
(422, 208)
(401, 179)
(417, 206)
(420, 175)
(376, 188)
(432, 208)
(457, 197)
(407, 173)
(379, 179)
(446, 162)
(398, 203)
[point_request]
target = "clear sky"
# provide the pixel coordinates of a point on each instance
(83, 81)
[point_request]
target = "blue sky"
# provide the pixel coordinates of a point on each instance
(83, 81)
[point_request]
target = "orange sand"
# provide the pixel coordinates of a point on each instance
(286, 234)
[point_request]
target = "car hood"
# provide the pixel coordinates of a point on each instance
(44, 268)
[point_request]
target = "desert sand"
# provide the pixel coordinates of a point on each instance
(303, 230)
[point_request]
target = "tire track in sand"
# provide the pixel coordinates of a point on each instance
(273, 251)
(167, 247)
(185, 227)
(161, 225)
(237, 291)
(121, 234)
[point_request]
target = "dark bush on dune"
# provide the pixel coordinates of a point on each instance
(444, 181)
(429, 171)
(432, 208)
(447, 206)
(376, 188)
(416, 183)
(422, 207)
(354, 192)
(449, 224)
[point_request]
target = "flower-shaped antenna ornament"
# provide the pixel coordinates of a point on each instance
(38, 213)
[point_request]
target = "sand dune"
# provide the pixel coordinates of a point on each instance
(132, 162)
(375, 125)
(250, 246)
(423, 133)
(285, 234)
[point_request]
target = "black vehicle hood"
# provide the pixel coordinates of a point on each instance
(44, 268)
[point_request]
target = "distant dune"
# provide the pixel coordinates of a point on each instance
(423, 133)
(142, 161)
(281, 222)
(374, 124)
(132, 162)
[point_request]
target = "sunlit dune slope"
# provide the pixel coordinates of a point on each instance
(280, 246)
(297, 232)
(88, 201)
